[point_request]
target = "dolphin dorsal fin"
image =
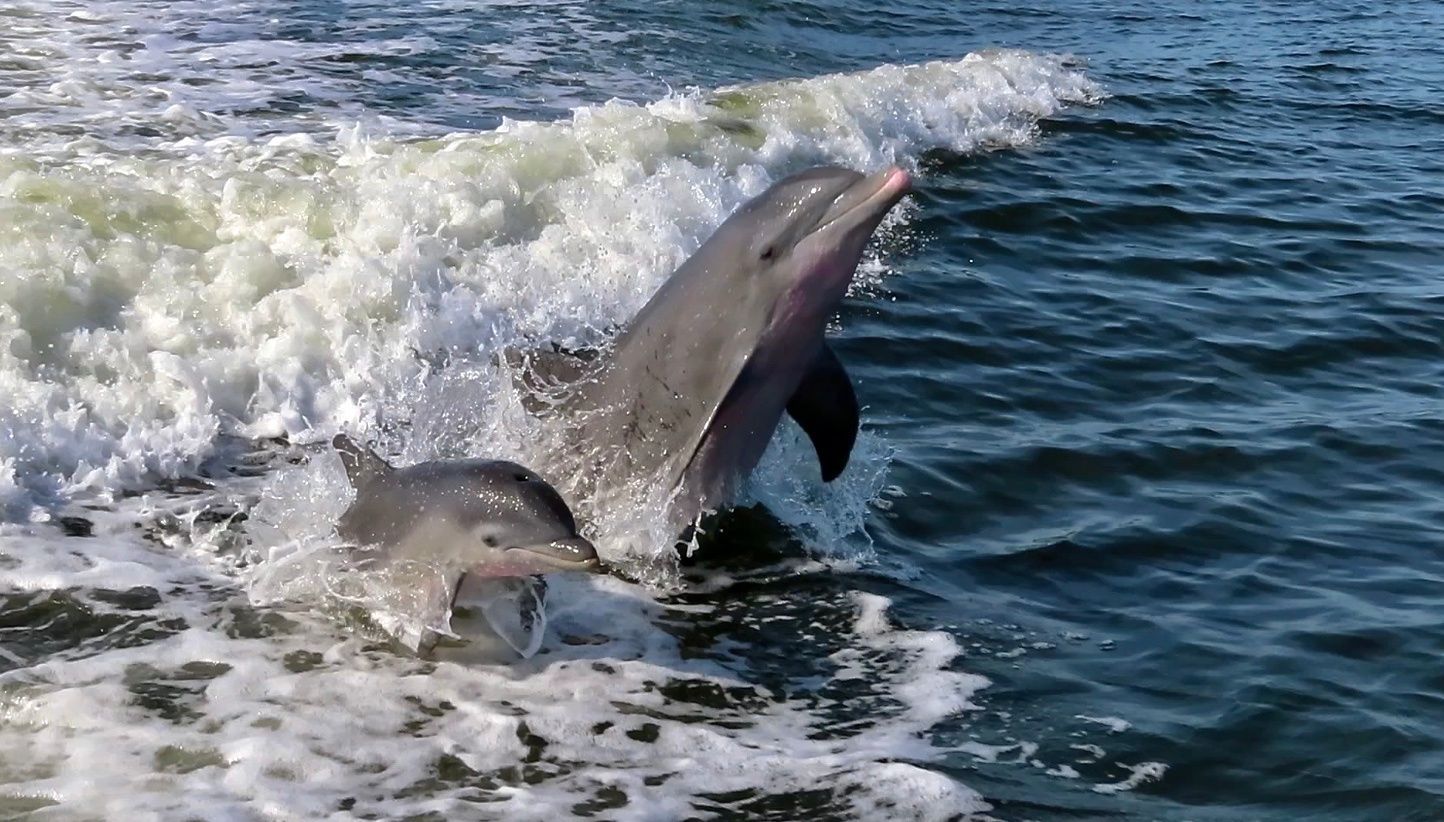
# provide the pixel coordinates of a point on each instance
(826, 408)
(540, 371)
(553, 363)
(362, 464)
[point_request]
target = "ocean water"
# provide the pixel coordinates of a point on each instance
(1145, 520)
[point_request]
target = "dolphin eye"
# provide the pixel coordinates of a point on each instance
(522, 478)
(769, 252)
(489, 542)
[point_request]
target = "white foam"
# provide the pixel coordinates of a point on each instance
(1140, 774)
(287, 286)
(243, 729)
(1115, 725)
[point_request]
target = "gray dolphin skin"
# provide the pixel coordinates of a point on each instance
(692, 389)
(486, 518)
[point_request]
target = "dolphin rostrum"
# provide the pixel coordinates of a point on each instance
(447, 519)
(685, 399)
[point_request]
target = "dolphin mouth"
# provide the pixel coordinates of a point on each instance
(869, 198)
(573, 554)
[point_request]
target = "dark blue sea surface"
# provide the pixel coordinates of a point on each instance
(1163, 386)
(1171, 380)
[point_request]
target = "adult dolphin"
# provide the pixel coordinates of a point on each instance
(687, 396)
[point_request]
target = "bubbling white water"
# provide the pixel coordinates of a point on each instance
(151, 304)
(296, 722)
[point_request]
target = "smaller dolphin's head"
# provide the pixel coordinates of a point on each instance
(520, 525)
(489, 517)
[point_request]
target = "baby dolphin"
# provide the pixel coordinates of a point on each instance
(452, 518)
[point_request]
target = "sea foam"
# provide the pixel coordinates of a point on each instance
(151, 304)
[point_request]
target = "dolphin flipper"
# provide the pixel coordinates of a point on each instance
(826, 408)
(515, 607)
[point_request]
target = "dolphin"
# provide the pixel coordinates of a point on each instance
(687, 396)
(447, 519)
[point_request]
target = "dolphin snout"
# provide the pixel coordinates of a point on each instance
(861, 206)
(572, 554)
(895, 182)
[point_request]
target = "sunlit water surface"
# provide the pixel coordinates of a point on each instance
(1144, 522)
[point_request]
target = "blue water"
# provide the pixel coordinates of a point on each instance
(1171, 380)
(1183, 398)
(1162, 386)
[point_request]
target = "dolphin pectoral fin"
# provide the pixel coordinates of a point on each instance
(361, 463)
(418, 628)
(826, 408)
(515, 607)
